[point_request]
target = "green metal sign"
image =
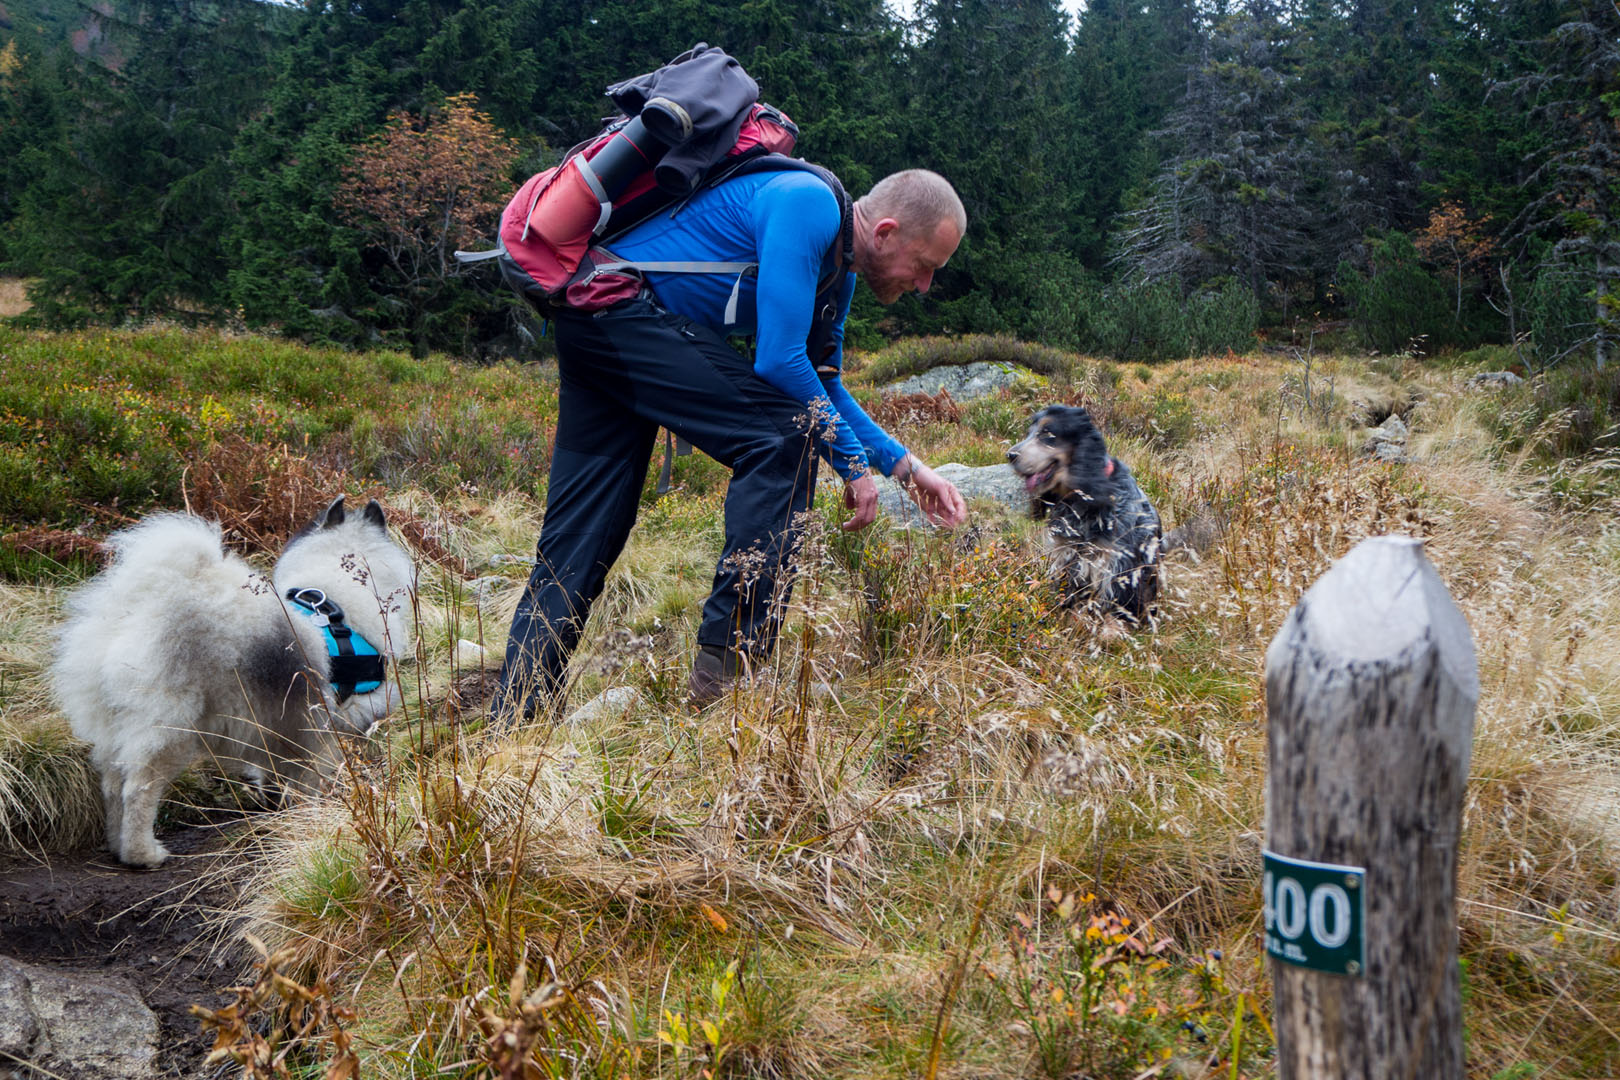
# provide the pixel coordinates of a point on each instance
(1315, 913)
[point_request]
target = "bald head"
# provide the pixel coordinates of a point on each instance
(906, 228)
(917, 199)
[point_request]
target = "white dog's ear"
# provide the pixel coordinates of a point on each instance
(332, 516)
(373, 515)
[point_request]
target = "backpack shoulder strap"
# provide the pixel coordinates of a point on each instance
(834, 265)
(844, 250)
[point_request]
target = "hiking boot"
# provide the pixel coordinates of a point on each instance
(713, 672)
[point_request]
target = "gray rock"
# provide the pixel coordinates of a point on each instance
(608, 704)
(503, 559)
(1493, 380)
(485, 589)
(1394, 453)
(1387, 442)
(964, 381)
(997, 482)
(1392, 430)
(471, 656)
(90, 1027)
(19, 1027)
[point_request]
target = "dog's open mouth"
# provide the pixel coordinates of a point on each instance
(1035, 481)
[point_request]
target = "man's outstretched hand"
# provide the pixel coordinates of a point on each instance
(936, 496)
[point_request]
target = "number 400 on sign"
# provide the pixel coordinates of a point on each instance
(1315, 913)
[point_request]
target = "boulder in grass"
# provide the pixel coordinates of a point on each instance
(70, 1023)
(1493, 380)
(1387, 442)
(964, 382)
(607, 705)
(997, 482)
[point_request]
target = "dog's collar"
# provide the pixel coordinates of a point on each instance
(357, 666)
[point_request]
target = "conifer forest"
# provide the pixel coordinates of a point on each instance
(1146, 180)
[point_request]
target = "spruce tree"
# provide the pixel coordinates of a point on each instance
(1226, 202)
(1575, 98)
(342, 71)
(125, 204)
(985, 103)
(1128, 68)
(31, 107)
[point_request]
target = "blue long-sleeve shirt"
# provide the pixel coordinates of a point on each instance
(786, 222)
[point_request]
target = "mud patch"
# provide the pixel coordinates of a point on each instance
(156, 928)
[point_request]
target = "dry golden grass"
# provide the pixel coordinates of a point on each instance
(871, 828)
(49, 798)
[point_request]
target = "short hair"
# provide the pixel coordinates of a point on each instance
(917, 199)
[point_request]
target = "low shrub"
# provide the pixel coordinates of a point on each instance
(1142, 322)
(1154, 321)
(999, 416)
(900, 412)
(1568, 419)
(45, 554)
(1561, 312)
(96, 428)
(1222, 318)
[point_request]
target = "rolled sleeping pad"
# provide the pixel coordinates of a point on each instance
(632, 151)
(576, 203)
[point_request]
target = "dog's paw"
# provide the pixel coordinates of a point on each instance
(144, 856)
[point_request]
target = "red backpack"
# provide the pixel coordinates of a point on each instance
(549, 247)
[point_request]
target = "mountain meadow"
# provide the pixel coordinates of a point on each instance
(949, 831)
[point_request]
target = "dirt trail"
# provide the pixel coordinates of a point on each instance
(86, 913)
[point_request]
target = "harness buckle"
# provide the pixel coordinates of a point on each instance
(314, 600)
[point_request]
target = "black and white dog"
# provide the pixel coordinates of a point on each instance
(1104, 533)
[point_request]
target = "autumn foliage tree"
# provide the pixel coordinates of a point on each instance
(1451, 237)
(422, 187)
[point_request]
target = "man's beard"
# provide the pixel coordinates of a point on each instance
(887, 289)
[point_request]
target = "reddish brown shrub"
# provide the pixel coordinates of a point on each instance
(58, 545)
(899, 411)
(262, 494)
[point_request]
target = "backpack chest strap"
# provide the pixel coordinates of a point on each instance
(741, 269)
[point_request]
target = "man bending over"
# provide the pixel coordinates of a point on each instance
(661, 360)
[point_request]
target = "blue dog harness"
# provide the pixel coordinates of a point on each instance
(357, 667)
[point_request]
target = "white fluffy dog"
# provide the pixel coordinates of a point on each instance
(180, 651)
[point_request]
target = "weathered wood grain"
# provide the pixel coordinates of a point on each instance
(1371, 686)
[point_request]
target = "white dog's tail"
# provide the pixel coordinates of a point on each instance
(178, 541)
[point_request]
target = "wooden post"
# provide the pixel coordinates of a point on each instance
(1370, 691)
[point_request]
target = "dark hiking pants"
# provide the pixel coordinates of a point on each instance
(624, 373)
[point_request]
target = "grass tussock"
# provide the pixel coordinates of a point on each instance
(946, 831)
